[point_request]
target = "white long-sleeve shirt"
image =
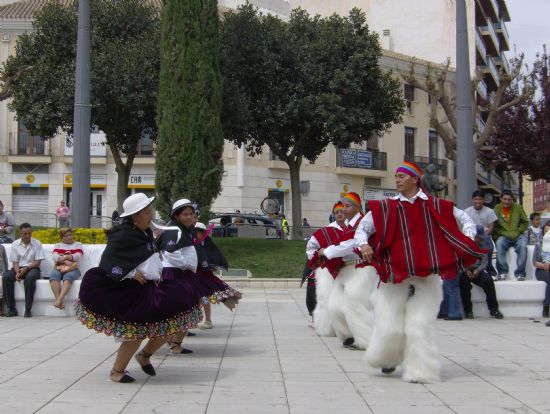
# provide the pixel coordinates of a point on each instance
(345, 248)
(184, 258)
(150, 269)
(366, 226)
(313, 244)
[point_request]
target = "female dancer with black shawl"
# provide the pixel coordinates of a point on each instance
(189, 260)
(117, 299)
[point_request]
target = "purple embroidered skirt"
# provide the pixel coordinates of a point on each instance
(129, 310)
(216, 290)
(207, 287)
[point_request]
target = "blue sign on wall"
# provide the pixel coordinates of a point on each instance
(349, 158)
(364, 159)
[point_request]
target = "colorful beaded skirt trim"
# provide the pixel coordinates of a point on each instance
(222, 295)
(135, 331)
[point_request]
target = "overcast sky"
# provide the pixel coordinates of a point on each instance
(529, 27)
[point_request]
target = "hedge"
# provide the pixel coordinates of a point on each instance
(84, 236)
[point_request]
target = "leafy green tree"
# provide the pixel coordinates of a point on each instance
(301, 85)
(125, 65)
(190, 142)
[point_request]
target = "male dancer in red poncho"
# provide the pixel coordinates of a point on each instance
(324, 271)
(349, 304)
(413, 241)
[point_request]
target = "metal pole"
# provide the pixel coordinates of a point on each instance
(465, 157)
(80, 208)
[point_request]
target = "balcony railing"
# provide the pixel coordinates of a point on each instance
(490, 7)
(480, 44)
(489, 177)
(480, 124)
(504, 37)
(492, 70)
(441, 165)
(481, 88)
(357, 158)
(503, 61)
(489, 31)
(30, 145)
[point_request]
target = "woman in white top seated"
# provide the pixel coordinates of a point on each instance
(66, 256)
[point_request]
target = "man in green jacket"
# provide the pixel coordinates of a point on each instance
(508, 232)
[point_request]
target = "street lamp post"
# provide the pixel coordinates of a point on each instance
(465, 157)
(80, 208)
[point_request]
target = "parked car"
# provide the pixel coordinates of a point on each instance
(242, 225)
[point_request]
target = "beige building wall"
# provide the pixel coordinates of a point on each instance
(327, 180)
(422, 28)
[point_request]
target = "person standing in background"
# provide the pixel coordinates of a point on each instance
(63, 214)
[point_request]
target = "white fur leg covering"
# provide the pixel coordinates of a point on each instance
(337, 306)
(359, 310)
(421, 362)
(321, 319)
(387, 343)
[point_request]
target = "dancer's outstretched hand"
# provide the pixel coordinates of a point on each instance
(367, 252)
(138, 277)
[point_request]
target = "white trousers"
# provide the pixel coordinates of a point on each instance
(349, 305)
(324, 283)
(404, 328)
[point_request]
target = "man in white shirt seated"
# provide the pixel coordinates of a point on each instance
(484, 216)
(26, 254)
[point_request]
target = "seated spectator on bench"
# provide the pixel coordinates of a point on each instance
(482, 215)
(541, 262)
(26, 254)
(478, 276)
(3, 268)
(7, 225)
(509, 232)
(66, 256)
(533, 234)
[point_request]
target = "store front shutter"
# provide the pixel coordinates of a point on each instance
(30, 205)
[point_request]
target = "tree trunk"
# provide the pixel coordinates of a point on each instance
(123, 173)
(294, 167)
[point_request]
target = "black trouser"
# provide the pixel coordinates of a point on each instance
(544, 276)
(485, 282)
(30, 287)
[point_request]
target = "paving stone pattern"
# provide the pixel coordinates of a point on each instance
(265, 358)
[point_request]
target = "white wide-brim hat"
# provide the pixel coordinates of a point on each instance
(200, 226)
(182, 202)
(135, 203)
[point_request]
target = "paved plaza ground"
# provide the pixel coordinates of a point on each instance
(265, 358)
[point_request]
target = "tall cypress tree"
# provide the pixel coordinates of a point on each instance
(190, 141)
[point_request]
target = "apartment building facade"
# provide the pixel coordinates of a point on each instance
(427, 29)
(36, 174)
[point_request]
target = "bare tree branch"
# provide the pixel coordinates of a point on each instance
(436, 85)
(8, 80)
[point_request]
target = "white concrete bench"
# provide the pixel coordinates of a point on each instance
(43, 297)
(517, 299)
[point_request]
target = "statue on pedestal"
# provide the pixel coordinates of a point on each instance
(430, 181)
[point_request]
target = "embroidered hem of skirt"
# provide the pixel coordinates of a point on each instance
(222, 295)
(129, 331)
